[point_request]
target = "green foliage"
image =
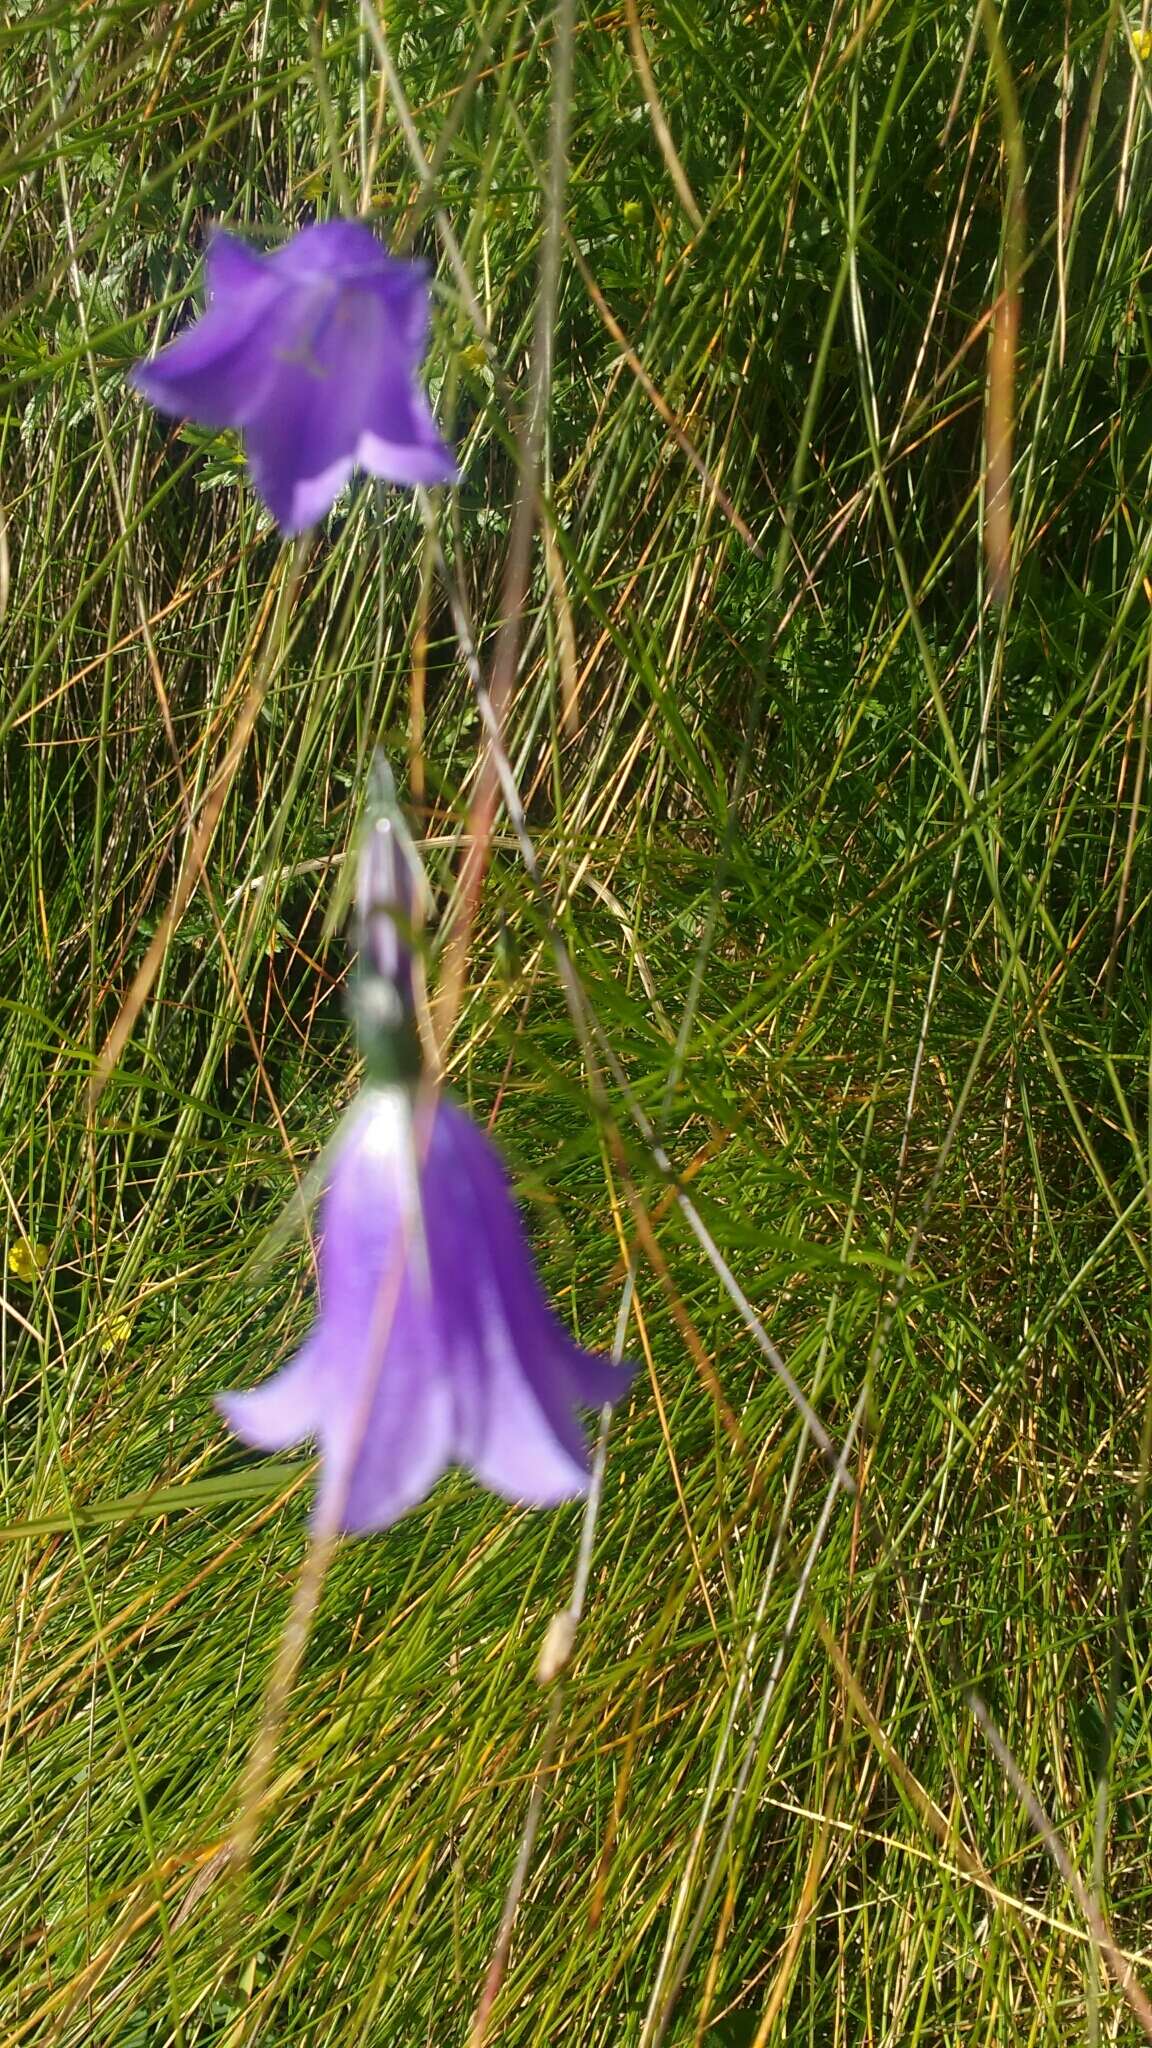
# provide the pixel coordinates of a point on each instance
(873, 846)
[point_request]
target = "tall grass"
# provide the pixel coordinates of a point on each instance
(841, 821)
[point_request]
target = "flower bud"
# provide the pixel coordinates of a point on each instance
(388, 885)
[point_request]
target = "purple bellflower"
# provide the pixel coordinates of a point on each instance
(313, 351)
(433, 1342)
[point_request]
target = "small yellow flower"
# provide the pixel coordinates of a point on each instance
(1142, 42)
(117, 1330)
(473, 356)
(26, 1260)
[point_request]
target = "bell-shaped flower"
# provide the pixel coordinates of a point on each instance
(312, 350)
(433, 1344)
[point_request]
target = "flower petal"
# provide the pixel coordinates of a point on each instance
(364, 1214)
(345, 394)
(219, 370)
(385, 1448)
(401, 441)
(286, 1409)
(232, 268)
(302, 442)
(529, 1446)
(517, 1374)
(421, 458)
(551, 1359)
(404, 288)
(336, 252)
(591, 1378)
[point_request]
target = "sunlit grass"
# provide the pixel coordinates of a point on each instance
(852, 866)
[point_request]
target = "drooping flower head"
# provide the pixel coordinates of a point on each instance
(426, 1354)
(313, 350)
(433, 1342)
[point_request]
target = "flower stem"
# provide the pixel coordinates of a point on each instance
(289, 1656)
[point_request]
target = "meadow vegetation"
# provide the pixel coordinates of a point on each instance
(838, 800)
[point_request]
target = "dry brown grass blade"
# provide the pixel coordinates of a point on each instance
(810, 1891)
(1000, 416)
